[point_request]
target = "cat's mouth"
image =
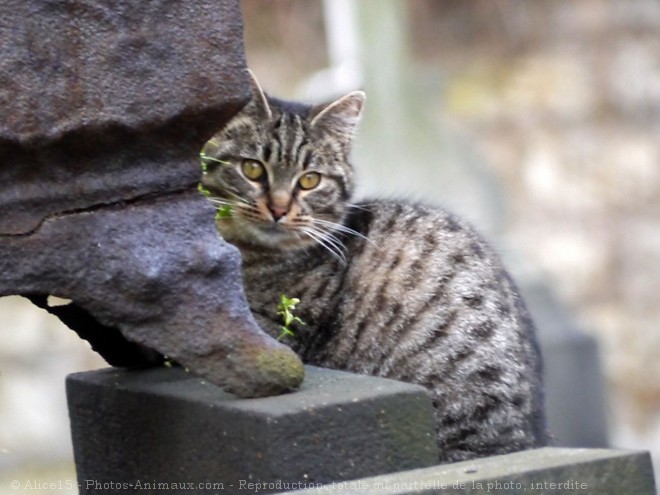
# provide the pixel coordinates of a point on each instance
(282, 233)
(277, 223)
(255, 225)
(276, 235)
(276, 229)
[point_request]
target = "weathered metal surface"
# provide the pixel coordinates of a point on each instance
(105, 107)
(108, 100)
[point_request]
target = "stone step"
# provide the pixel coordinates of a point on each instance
(164, 425)
(165, 429)
(542, 471)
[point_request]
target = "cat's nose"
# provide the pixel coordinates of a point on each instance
(278, 204)
(277, 212)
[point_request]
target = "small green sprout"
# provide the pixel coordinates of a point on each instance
(207, 158)
(203, 190)
(285, 309)
(223, 212)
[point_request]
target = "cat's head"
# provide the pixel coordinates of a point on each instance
(279, 172)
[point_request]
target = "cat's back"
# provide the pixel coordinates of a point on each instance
(419, 271)
(409, 243)
(426, 300)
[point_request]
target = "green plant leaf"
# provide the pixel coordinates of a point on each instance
(203, 190)
(224, 212)
(285, 332)
(285, 310)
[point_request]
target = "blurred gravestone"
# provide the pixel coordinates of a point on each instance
(574, 387)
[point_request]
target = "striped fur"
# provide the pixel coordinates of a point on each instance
(387, 288)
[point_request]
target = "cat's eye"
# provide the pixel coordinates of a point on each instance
(253, 169)
(309, 181)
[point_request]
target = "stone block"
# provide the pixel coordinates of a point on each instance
(133, 430)
(547, 471)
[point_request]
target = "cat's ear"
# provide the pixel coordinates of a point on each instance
(341, 116)
(259, 100)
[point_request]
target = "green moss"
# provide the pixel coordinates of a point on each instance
(283, 367)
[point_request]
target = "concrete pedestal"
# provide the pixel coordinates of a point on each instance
(134, 430)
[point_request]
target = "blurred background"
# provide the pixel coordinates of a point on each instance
(537, 121)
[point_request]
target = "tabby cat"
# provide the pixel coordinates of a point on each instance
(386, 288)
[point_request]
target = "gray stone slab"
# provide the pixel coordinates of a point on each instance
(168, 426)
(543, 471)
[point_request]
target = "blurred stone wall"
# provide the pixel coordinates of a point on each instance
(563, 100)
(37, 353)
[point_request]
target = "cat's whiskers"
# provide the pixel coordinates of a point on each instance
(339, 228)
(329, 247)
(220, 202)
(329, 235)
(362, 207)
(236, 196)
(252, 213)
(327, 240)
(246, 207)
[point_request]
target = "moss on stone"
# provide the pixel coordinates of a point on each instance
(284, 366)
